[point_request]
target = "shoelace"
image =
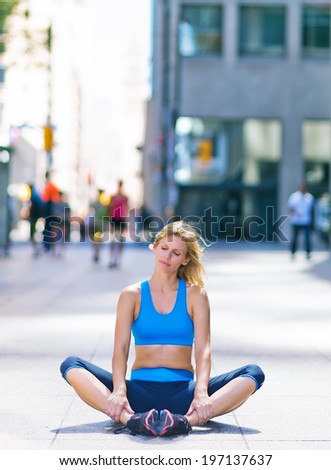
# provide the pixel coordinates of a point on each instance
(121, 429)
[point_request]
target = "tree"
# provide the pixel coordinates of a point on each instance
(6, 9)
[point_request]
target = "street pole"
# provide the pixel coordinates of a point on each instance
(5, 213)
(165, 104)
(329, 199)
(48, 128)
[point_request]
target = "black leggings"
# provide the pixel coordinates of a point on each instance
(176, 397)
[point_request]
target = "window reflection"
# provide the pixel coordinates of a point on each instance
(317, 153)
(200, 30)
(211, 151)
(263, 149)
(316, 30)
(262, 30)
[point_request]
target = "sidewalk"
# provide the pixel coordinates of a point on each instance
(265, 309)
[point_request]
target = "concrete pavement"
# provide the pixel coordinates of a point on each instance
(265, 309)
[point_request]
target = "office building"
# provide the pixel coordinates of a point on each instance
(240, 108)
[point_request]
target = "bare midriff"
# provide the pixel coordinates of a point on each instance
(163, 355)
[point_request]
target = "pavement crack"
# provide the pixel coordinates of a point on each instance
(58, 430)
(241, 431)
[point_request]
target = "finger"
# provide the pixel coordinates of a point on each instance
(209, 414)
(201, 417)
(109, 412)
(204, 415)
(128, 408)
(117, 414)
(190, 410)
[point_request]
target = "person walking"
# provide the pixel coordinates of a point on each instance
(51, 197)
(118, 212)
(301, 206)
(166, 313)
(61, 224)
(96, 224)
(36, 211)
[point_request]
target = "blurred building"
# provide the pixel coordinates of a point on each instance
(240, 108)
(72, 64)
(5, 148)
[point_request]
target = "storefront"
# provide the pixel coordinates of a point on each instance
(228, 170)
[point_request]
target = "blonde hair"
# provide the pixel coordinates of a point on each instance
(193, 271)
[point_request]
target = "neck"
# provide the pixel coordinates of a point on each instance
(164, 281)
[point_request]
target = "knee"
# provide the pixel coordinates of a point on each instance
(69, 363)
(256, 373)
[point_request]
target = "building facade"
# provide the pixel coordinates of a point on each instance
(240, 108)
(91, 81)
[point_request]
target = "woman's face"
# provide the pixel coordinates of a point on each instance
(170, 254)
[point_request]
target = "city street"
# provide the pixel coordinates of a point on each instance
(266, 309)
(117, 118)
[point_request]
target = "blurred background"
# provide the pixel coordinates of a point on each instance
(222, 105)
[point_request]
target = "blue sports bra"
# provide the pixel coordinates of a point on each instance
(152, 327)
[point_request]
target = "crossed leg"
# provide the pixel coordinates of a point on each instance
(228, 398)
(92, 391)
(96, 394)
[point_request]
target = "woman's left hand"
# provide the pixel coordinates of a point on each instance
(203, 407)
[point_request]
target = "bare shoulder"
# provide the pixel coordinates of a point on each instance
(197, 293)
(131, 292)
(130, 298)
(197, 300)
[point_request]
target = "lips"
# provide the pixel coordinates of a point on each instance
(165, 263)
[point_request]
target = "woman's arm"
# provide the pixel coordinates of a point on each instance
(124, 318)
(201, 318)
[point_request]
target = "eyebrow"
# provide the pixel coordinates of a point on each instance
(175, 249)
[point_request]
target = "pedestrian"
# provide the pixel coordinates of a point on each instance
(36, 212)
(96, 223)
(118, 212)
(61, 224)
(51, 197)
(165, 314)
(301, 207)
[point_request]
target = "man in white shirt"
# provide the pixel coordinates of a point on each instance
(301, 205)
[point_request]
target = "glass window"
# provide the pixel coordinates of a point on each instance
(211, 151)
(316, 30)
(262, 31)
(262, 141)
(317, 153)
(200, 30)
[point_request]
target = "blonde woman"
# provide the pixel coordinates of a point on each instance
(166, 313)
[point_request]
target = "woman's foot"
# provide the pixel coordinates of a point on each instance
(142, 423)
(171, 424)
(155, 423)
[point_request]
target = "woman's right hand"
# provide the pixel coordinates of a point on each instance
(117, 402)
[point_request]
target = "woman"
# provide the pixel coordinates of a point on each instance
(164, 313)
(118, 212)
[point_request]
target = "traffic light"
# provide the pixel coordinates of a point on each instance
(48, 137)
(205, 150)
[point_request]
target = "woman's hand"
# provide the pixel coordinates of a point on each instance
(202, 405)
(117, 402)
